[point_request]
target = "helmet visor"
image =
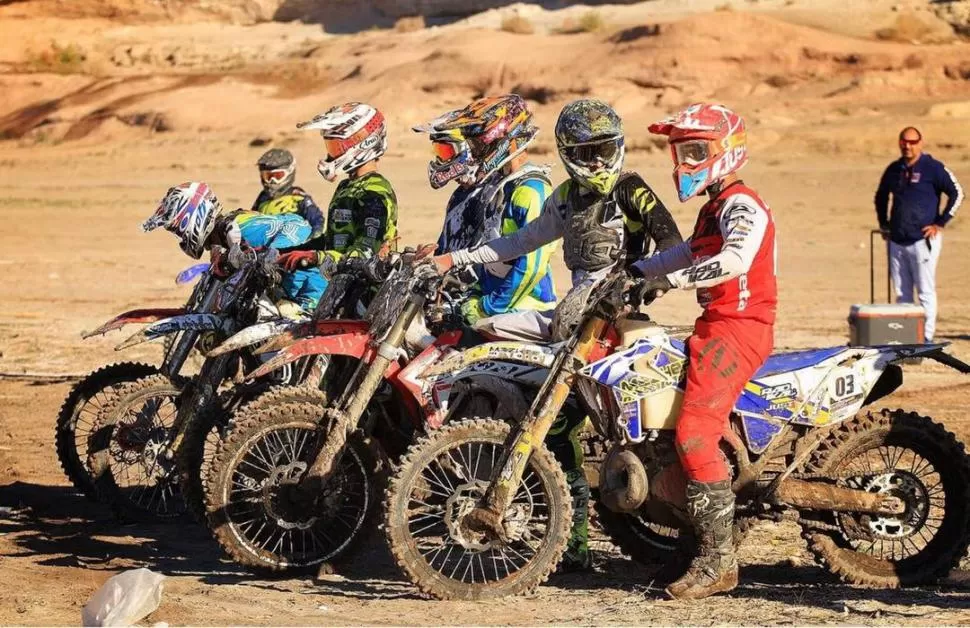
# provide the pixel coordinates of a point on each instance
(272, 176)
(692, 153)
(605, 152)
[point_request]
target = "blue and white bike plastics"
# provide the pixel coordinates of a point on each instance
(882, 497)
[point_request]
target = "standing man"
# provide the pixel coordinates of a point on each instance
(915, 225)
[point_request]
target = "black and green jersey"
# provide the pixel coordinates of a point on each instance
(362, 216)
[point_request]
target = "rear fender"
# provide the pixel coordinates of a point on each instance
(540, 356)
(135, 316)
(165, 327)
(306, 329)
(352, 344)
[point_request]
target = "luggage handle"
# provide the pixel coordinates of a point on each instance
(872, 268)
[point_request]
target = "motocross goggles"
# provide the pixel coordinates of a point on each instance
(591, 153)
(692, 152)
(273, 176)
(446, 150)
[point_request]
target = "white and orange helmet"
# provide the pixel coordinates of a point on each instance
(354, 133)
(707, 143)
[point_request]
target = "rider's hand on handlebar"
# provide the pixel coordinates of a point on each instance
(297, 260)
(652, 289)
(443, 263)
(423, 251)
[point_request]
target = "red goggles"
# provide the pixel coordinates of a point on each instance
(272, 176)
(445, 151)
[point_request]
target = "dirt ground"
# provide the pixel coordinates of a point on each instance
(77, 178)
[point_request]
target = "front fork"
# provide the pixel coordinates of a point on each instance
(344, 418)
(488, 516)
(203, 393)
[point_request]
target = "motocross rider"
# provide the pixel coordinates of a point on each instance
(602, 215)
(730, 261)
(498, 193)
(282, 198)
(362, 216)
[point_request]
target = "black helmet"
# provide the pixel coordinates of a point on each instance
(589, 136)
(277, 171)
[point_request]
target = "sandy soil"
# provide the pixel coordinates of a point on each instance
(77, 177)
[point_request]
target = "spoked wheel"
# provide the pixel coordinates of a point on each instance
(202, 438)
(440, 481)
(79, 412)
(129, 451)
(914, 460)
(259, 510)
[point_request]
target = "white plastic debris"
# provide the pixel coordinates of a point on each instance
(124, 599)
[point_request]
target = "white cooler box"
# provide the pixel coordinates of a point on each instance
(886, 324)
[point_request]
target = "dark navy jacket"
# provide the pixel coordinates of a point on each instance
(916, 198)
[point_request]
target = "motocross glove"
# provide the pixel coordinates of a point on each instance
(298, 260)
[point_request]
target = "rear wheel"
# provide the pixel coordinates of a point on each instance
(78, 415)
(440, 480)
(915, 460)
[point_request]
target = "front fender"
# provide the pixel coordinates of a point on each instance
(149, 315)
(352, 344)
(326, 327)
(186, 322)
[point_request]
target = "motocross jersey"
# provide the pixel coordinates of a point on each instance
(729, 259)
(294, 201)
(596, 230)
(496, 207)
(362, 216)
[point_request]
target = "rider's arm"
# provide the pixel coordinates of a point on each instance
(523, 208)
(743, 225)
(666, 262)
(646, 213)
(543, 230)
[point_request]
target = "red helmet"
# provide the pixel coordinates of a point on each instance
(707, 143)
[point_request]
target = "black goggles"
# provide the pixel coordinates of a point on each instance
(604, 152)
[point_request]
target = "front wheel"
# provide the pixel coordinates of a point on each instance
(909, 457)
(258, 509)
(441, 479)
(79, 412)
(129, 451)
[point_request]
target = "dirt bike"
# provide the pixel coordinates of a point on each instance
(78, 413)
(134, 452)
(479, 509)
(293, 483)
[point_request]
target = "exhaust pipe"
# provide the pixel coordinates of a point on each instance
(623, 481)
(819, 496)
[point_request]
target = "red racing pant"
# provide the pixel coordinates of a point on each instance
(723, 355)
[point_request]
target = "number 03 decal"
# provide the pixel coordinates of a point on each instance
(844, 386)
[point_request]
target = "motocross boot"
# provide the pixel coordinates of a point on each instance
(578, 557)
(715, 569)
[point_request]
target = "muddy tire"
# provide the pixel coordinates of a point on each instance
(78, 415)
(542, 502)
(125, 452)
(254, 504)
(913, 458)
(202, 439)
